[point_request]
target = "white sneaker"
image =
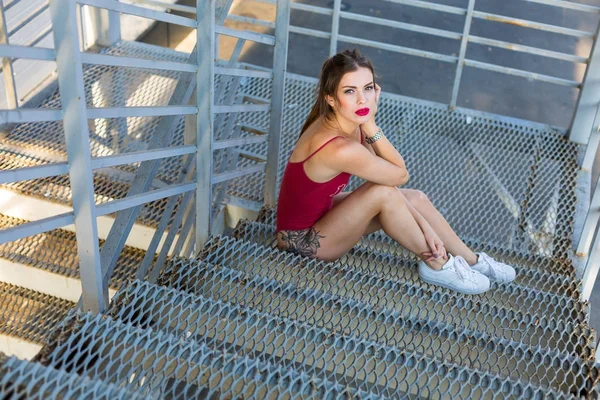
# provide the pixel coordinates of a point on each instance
(456, 275)
(495, 270)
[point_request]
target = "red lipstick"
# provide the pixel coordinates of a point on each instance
(362, 112)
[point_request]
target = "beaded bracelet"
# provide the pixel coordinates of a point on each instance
(375, 137)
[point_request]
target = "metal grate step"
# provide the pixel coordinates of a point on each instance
(397, 271)
(326, 354)
(441, 322)
(30, 315)
(527, 210)
(56, 251)
(160, 365)
(550, 268)
(26, 380)
(386, 263)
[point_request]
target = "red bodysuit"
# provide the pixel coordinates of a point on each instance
(302, 202)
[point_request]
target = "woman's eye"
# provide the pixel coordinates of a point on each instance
(369, 87)
(349, 91)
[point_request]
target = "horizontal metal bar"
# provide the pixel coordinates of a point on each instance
(227, 176)
(143, 198)
(430, 6)
(224, 144)
(527, 49)
(29, 18)
(36, 227)
(531, 24)
(521, 73)
(37, 172)
(130, 62)
(243, 72)
(253, 36)
(313, 9)
(148, 111)
(252, 156)
(253, 129)
(248, 20)
(169, 6)
(140, 12)
(242, 108)
(401, 25)
(33, 53)
(310, 32)
(398, 49)
(140, 156)
(21, 115)
(568, 4)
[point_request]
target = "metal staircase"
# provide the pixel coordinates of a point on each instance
(234, 317)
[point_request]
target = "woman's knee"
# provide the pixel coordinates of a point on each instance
(382, 194)
(416, 197)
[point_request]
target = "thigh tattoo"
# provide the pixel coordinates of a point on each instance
(304, 242)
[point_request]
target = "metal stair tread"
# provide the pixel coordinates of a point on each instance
(380, 241)
(324, 309)
(35, 381)
(164, 365)
(244, 330)
(56, 251)
(510, 295)
(30, 315)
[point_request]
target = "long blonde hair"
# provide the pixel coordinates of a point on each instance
(332, 71)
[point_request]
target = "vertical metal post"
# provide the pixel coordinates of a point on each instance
(104, 28)
(335, 27)
(10, 87)
(591, 267)
(282, 24)
(593, 142)
(589, 97)
(591, 222)
(70, 81)
(205, 34)
(463, 51)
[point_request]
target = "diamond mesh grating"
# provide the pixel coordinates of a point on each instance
(25, 380)
(413, 328)
(30, 315)
(379, 280)
(159, 365)
(56, 251)
(459, 159)
(326, 354)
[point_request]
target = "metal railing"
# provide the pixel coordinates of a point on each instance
(180, 219)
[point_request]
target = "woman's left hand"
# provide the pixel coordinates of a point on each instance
(436, 246)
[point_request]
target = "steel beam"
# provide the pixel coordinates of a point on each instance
(72, 93)
(588, 102)
(282, 23)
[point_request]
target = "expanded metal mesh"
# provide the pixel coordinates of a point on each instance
(30, 315)
(327, 354)
(378, 280)
(460, 159)
(56, 251)
(25, 380)
(160, 365)
(543, 273)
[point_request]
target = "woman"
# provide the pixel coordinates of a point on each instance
(315, 218)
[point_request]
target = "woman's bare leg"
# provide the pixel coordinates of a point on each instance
(343, 226)
(451, 241)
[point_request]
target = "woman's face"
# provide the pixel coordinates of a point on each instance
(355, 97)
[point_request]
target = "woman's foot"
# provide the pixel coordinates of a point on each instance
(456, 275)
(494, 270)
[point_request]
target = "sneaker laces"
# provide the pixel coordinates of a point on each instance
(462, 267)
(490, 264)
